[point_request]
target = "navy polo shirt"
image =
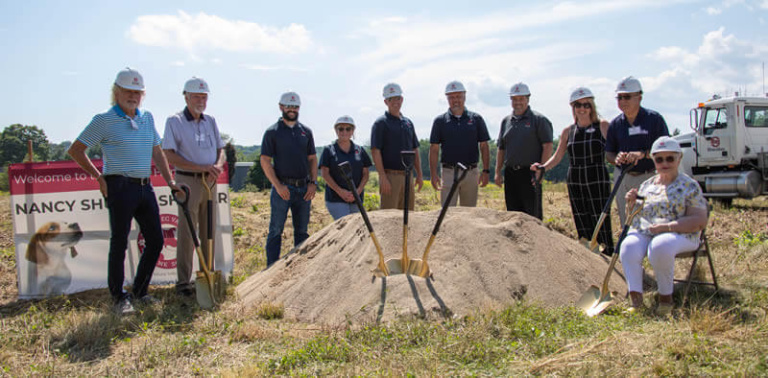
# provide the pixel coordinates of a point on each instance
(623, 137)
(391, 135)
(289, 148)
(357, 158)
(458, 136)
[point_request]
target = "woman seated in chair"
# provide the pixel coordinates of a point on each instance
(674, 213)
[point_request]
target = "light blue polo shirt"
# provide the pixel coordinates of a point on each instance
(126, 146)
(196, 142)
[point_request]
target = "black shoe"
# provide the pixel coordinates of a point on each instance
(186, 290)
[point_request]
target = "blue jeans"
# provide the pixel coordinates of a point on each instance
(279, 213)
(127, 201)
(340, 209)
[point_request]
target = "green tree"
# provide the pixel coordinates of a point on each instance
(13, 144)
(59, 151)
(257, 177)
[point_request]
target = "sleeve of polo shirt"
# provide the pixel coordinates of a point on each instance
(501, 144)
(267, 143)
(219, 143)
(93, 134)
(325, 157)
(663, 129)
(611, 144)
(415, 138)
(377, 135)
(436, 135)
(157, 140)
(169, 135)
(545, 131)
(311, 144)
(366, 159)
(482, 130)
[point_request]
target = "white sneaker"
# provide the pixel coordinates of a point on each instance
(124, 307)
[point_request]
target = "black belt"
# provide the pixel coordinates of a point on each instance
(518, 167)
(454, 165)
(193, 174)
(294, 182)
(134, 180)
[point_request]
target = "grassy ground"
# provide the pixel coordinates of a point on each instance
(723, 333)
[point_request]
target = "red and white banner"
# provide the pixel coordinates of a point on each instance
(61, 230)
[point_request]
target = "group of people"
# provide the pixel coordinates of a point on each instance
(636, 141)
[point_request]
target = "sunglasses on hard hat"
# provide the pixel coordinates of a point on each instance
(661, 159)
(585, 105)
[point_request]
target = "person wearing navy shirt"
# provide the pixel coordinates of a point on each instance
(457, 134)
(630, 137)
(129, 143)
(289, 161)
(339, 199)
(391, 134)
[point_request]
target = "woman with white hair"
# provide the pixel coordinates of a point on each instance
(674, 213)
(589, 184)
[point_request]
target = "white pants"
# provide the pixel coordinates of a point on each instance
(661, 250)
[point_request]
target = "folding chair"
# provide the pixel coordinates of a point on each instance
(703, 252)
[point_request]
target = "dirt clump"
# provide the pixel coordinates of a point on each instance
(481, 259)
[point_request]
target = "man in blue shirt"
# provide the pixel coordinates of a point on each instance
(458, 132)
(129, 143)
(391, 134)
(630, 137)
(289, 144)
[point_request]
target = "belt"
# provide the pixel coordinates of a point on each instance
(518, 167)
(134, 180)
(454, 165)
(294, 182)
(193, 174)
(639, 173)
(394, 172)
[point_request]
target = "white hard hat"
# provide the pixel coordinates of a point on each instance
(130, 79)
(196, 85)
(290, 99)
(581, 92)
(629, 85)
(454, 86)
(392, 90)
(666, 144)
(519, 89)
(345, 119)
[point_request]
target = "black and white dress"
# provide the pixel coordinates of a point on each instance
(588, 182)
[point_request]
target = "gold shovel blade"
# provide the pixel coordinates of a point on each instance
(395, 266)
(593, 303)
(593, 246)
(205, 298)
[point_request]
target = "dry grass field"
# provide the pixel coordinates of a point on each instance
(724, 333)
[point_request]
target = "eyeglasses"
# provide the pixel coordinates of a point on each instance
(347, 129)
(625, 97)
(661, 159)
(585, 105)
(291, 107)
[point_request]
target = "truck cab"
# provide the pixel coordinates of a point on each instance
(728, 151)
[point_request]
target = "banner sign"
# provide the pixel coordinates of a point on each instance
(61, 230)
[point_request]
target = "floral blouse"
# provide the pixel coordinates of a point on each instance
(668, 203)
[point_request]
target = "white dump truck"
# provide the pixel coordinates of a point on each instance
(728, 151)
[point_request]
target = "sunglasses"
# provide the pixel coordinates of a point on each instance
(585, 105)
(291, 107)
(340, 129)
(661, 159)
(625, 97)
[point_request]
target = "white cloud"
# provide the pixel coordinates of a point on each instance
(258, 67)
(178, 63)
(209, 32)
(712, 11)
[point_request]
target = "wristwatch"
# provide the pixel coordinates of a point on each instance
(313, 182)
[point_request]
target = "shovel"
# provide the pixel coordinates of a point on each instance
(537, 190)
(346, 171)
(595, 300)
(592, 244)
(219, 283)
(399, 266)
(205, 294)
(420, 267)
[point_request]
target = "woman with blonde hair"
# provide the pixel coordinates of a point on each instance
(589, 184)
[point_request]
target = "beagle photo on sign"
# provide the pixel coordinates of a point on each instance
(47, 251)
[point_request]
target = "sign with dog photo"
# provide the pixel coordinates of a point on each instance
(61, 230)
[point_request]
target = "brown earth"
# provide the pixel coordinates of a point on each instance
(481, 259)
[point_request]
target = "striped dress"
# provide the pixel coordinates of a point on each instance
(588, 182)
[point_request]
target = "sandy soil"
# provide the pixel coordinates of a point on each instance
(481, 259)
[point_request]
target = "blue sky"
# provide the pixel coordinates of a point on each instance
(61, 57)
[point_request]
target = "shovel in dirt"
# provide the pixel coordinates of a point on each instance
(418, 267)
(205, 289)
(399, 266)
(592, 244)
(346, 171)
(595, 300)
(219, 284)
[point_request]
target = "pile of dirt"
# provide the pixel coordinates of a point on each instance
(481, 259)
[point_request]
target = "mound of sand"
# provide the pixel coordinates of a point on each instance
(481, 259)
